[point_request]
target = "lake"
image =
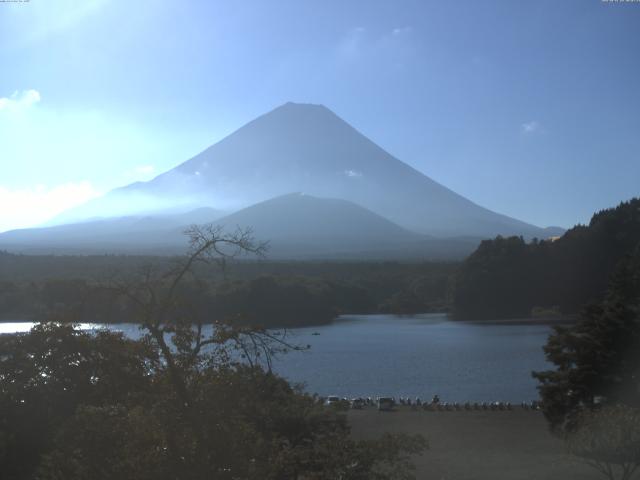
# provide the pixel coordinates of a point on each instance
(417, 355)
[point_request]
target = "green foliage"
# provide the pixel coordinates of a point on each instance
(110, 441)
(598, 359)
(508, 277)
(491, 283)
(422, 294)
(82, 406)
(46, 375)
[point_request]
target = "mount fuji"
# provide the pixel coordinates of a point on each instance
(300, 148)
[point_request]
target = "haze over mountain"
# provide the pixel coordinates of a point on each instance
(307, 148)
(297, 226)
(303, 226)
(159, 234)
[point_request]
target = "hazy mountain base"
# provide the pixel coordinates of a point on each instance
(297, 227)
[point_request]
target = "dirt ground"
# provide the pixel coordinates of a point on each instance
(477, 445)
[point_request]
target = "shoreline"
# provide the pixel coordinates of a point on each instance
(564, 320)
(550, 320)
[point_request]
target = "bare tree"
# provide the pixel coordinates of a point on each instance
(168, 306)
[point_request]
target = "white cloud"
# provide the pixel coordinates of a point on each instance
(353, 173)
(43, 145)
(352, 43)
(139, 173)
(145, 169)
(19, 100)
(393, 47)
(27, 207)
(530, 127)
(401, 31)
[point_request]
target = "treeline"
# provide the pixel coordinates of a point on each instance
(295, 294)
(267, 301)
(508, 277)
(285, 301)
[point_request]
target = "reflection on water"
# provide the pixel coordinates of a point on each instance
(20, 327)
(369, 355)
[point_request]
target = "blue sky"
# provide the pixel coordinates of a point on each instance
(530, 108)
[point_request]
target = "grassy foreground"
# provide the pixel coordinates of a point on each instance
(477, 445)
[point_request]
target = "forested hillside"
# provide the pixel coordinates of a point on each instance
(256, 292)
(508, 277)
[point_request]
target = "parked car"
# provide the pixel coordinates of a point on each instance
(357, 403)
(386, 403)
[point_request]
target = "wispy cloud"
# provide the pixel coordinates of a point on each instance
(140, 173)
(530, 128)
(40, 203)
(41, 20)
(394, 46)
(353, 173)
(19, 100)
(145, 169)
(402, 31)
(353, 42)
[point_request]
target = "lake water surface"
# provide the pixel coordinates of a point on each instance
(419, 355)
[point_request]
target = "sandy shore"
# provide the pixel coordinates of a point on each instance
(477, 445)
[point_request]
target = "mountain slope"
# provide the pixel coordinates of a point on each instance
(298, 223)
(297, 226)
(303, 226)
(307, 148)
(303, 216)
(134, 234)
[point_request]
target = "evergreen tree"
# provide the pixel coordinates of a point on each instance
(598, 359)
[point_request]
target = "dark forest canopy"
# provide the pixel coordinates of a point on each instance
(508, 277)
(261, 292)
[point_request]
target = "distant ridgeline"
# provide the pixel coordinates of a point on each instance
(509, 278)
